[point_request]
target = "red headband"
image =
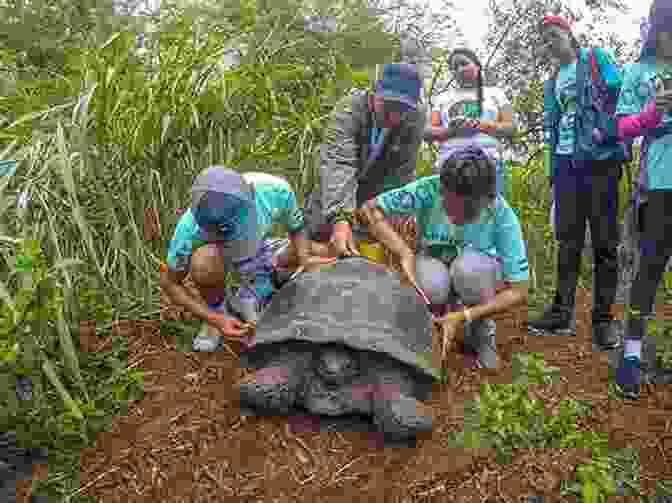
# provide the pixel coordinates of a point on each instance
(557, 21)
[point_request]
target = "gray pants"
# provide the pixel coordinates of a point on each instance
(470, 279)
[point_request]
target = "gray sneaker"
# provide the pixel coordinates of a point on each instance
(480, 343)
(206, 343)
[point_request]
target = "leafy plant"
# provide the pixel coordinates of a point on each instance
(33, 319)
(506, 418)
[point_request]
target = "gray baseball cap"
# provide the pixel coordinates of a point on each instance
(224, 207)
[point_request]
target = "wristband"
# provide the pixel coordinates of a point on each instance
(456, 316)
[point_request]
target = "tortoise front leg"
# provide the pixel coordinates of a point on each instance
(275, 388)
(397, 413)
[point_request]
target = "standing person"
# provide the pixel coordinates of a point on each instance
(471, 248)
(371, 146)
(474, 114)
(585, 161)
(645, 109)
(228, 228)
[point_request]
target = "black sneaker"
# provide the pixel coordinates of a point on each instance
(629, 378)
(555, 321)
(605, 336)
(660, 376)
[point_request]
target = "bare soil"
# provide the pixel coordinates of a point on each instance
(186, 441)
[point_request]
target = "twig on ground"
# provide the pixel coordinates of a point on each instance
(90, 483)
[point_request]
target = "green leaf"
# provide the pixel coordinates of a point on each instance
(25, 263)
(590, 492)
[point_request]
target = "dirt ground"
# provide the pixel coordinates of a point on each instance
(186, 441)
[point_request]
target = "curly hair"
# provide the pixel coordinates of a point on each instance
(471, 173)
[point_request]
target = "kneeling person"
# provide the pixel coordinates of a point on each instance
(228, 228)
(471, 248)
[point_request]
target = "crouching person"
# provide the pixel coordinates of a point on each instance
(471, 249)
(228, 228)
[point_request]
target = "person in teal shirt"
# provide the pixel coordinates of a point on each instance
(645, 109)
(229, 228)
(470, 248)
(565, 91)
(584, 158)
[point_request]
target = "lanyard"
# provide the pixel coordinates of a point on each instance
(375, 143)
(376, 136)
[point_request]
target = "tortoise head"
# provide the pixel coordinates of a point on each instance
(336, 364)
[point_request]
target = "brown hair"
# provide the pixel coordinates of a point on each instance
(572, 39)
(479, 82)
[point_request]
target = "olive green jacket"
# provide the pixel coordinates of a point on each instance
(346, 178)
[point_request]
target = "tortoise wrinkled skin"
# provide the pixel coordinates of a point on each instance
(347, 339)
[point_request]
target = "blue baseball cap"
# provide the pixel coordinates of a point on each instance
(401, 83)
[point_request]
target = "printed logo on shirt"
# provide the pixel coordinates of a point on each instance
(400, 199)
(466, 108)
(425, 197)
(444, 237)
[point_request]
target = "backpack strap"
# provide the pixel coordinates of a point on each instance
(594, 65)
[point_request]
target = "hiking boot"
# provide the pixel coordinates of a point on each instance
(632, 372)
(559, 318)
(555, 321)
(480, 345)
(605, 336)
(629, 378)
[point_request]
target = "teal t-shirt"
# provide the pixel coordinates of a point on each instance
(639, 88)
(565, 93)
(497, 234)
(276, 204)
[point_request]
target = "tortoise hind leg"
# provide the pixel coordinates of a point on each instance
(275, 388)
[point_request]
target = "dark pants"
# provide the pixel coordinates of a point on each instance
(587, 191)
(655, 248)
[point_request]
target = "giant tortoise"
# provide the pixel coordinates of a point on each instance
(348, 339)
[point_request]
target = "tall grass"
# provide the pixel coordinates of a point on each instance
(113, 138)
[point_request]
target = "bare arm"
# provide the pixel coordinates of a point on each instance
(503, 127)
(172, 282)
(382, 231)
(504, 301)
(300, 247)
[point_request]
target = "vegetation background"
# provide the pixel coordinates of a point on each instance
(107, 112)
